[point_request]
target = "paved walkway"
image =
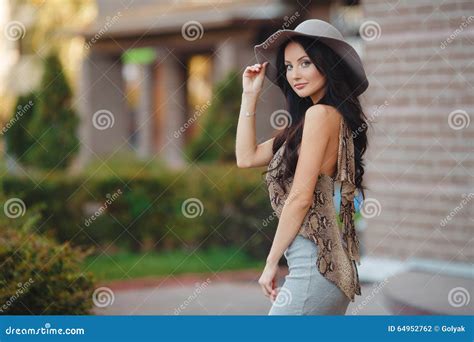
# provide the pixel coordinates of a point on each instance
(226, 293)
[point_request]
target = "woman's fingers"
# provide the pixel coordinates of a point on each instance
(268, 281)
(257, 67)
(266, 287)
(274, 291)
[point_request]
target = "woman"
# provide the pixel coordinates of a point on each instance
(320, 76)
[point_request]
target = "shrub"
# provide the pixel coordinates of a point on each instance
(148, 213)
(217, 140)
(38, 275)
(18, 139)
(54, 123)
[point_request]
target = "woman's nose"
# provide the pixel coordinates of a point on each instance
(295, 74)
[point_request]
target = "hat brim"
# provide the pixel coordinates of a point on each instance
(267, 51)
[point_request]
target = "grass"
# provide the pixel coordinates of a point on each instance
(126, 265)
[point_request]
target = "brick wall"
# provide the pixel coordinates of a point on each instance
(420, 164)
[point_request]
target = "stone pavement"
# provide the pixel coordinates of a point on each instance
(389, 287)
(406, 292)
(226, 293)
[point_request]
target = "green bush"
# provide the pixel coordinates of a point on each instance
(54, 123)
(233, 205)
(217, 140)
(18, 139)
(38, 275)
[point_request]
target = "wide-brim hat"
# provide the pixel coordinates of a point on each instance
(328, 35)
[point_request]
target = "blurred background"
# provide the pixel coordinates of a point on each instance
(119, 189)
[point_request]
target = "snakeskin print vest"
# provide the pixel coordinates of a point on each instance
(338, 248)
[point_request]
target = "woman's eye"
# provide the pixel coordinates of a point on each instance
(304, 64)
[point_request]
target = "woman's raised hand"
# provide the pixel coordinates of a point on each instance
(252, 79)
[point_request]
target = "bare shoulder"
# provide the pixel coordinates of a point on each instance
(317, 110)
(324, 115)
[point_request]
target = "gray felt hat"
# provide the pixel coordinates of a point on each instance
(322, 31)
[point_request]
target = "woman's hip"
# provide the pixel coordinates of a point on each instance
(305, 291)
(301, 255)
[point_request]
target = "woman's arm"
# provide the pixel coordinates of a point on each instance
(246, 131)
(246, 152)
(315, 138)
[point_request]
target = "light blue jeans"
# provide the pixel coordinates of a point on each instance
(305, 291)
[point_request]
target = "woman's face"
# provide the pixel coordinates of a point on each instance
(302, 74)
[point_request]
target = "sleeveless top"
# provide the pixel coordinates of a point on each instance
(338, 249)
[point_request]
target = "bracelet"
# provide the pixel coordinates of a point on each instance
(248, 114)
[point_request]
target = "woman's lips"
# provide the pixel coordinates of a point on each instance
(300, 85)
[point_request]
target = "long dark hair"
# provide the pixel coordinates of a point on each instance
(338, 93)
